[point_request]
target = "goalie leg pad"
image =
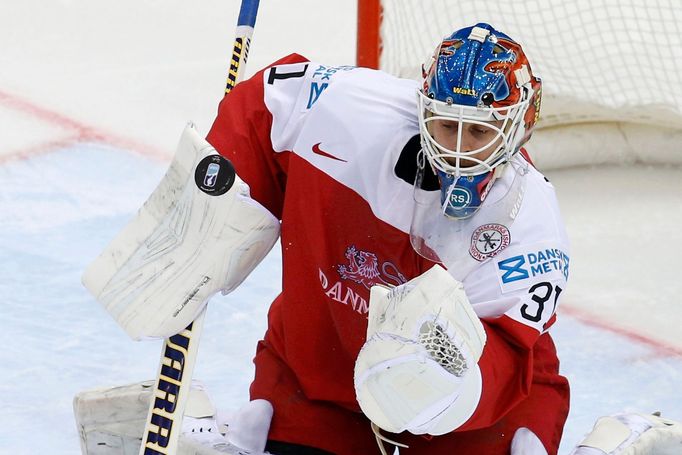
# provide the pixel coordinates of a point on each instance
(111, 421)
(198, 233)
(632, 434)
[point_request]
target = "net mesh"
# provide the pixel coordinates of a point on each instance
(442, 349)
(599, 60)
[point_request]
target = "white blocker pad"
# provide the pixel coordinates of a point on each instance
(418, 369)
(111, 420)
(197, 234)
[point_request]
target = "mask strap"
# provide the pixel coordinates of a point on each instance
(451, 188)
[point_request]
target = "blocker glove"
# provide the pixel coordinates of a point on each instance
(198, 233)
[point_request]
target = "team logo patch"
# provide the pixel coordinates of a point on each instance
(488, 240)
(364, 268)
(214, 175)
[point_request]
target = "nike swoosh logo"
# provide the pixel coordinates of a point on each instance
(318, 151)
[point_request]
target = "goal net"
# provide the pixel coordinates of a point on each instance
(611, 69)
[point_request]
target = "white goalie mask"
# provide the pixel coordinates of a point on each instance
(478, 105)
(477, 77)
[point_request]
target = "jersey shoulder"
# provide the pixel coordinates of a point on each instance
(296, 89)
(539, 218)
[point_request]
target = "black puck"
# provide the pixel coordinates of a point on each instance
(214, 175)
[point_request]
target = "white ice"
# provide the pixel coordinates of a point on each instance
(93, 97)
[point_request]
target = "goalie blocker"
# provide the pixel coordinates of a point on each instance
(198, 233)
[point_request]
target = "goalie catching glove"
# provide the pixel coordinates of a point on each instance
(418, 369)
(198, 233)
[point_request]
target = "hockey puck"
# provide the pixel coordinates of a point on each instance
(214, 175)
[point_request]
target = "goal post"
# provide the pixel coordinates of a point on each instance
(611, 69)
(368, 49)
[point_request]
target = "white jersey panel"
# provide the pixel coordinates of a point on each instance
(350, 123)
(531, 273)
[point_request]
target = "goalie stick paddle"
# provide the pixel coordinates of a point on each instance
(164, 419)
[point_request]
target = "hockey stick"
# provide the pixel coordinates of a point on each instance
(171, 390)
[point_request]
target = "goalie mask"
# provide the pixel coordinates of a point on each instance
(478, 104)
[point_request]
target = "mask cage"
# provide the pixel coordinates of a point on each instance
(450, 161)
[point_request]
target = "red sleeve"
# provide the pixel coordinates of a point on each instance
(241, 133)
(510, 366)
(507, 372)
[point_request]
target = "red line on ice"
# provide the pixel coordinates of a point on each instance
(81, 132)
(38, 149)
(660, 348)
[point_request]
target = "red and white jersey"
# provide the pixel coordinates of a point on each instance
(320, 148)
